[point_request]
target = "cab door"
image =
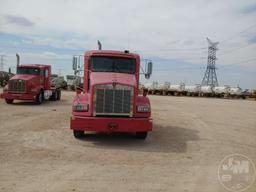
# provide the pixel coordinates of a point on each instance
(42, 78)
(47, 79)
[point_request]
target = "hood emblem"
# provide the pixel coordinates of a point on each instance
(114, 85)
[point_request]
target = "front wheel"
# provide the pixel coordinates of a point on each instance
(78, 134)
(9, 101)
(141, 135)
(40, 98)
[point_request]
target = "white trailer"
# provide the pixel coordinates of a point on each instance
(221, 91)
(162, 88)
(151, 87)
(192, 90)
(177, 89)
(206, 91)
(236, 92)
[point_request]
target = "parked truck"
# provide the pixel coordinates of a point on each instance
(73, 81)
(236, 92)
(58, 81)
(192, 90)
(4, 78)
(162, 88)
(31, 82)
(151, 87)
(221, 91)
(110, 100)
(176, 89)
(206, 91)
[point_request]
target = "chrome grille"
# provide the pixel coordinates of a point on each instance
(113, 100)
(17, 86)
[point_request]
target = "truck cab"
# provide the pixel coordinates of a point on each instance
(31, 82)
(110, 100)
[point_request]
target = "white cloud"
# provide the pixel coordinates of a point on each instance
(140, 24)
(31, 57)
(152, 28)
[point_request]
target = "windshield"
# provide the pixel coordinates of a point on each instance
(113, 64)
(71, 77)
(28, 71)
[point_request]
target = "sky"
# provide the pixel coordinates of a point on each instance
(172, 33)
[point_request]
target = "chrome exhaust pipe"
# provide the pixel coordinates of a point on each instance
(18, 59)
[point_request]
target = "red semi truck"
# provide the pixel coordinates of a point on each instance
(109, 100)
(32, 82)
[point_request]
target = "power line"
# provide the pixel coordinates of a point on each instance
(241, 32)
(172, 49)
(232, 50)
(245, 61)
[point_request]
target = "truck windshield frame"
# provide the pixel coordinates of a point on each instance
(28, 71)
(113, 64)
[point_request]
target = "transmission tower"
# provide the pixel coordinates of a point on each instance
(2, 62)
(210, 77)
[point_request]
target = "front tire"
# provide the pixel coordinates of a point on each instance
(40, 98)
(9, 101)
(78, 134)
(141, 135)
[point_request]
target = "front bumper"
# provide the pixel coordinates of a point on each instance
(110, 124)
(18, 96)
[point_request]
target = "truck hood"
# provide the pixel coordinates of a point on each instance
(109, 78)
(24, 77)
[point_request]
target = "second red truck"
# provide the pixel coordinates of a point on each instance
(32, 82)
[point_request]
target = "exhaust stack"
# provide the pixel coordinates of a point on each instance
(18, 59)
(99, 45)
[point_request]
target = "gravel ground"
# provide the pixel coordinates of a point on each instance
(190, 138)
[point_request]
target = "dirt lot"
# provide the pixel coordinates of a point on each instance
(191, 136)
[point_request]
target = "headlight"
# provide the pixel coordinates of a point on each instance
(81, 107)
(143, 108)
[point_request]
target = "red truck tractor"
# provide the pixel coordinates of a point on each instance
(32, 82)
(109, 100)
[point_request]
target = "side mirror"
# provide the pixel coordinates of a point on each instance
(74, 63)
(148, 69)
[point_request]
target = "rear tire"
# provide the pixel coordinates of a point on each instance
(9, 101)
(141, 135)
(58, 94)
(54, 96)
(78, 134)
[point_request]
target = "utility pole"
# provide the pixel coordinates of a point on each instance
(210, 76)
(2, 62)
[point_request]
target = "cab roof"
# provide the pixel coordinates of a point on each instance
(111, 53)
(41, 66)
